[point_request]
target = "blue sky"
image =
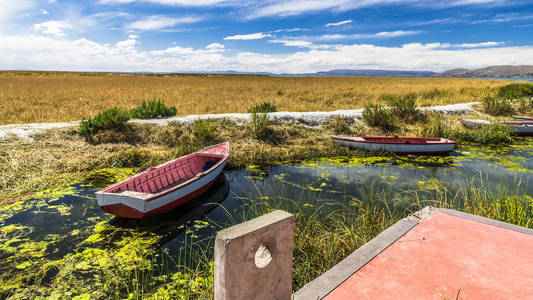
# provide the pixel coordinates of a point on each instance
(291, 36)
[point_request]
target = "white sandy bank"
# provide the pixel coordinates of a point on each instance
(315, 118)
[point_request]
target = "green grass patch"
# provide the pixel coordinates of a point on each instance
(516, 91)
(378, 116)
(113, 118)
(264, 107)
(152, 109)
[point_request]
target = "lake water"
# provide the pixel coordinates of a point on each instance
(62, 226)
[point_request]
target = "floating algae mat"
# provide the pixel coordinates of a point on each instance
(59, 244)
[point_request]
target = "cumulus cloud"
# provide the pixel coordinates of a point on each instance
(55, 28)
(251, 36)
(339, 23)
(158, 22)
(52, 53)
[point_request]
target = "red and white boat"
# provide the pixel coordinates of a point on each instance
(165, 187)
(523, 118)
(400, 145)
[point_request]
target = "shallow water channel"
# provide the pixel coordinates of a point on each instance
(58, 232)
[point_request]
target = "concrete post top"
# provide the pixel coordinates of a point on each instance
(250, 226)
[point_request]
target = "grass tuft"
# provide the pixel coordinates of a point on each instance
(378, 116)
(498, 106)
(264, 107)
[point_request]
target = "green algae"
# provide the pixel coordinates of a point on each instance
(107, 176)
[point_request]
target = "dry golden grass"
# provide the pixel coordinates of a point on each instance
(56, 97)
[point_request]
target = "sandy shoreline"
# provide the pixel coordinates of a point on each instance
(316, 118)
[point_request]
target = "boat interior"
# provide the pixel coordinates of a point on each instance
(169, 175)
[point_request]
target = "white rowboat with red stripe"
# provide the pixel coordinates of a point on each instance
(400, 145)
(165, 187)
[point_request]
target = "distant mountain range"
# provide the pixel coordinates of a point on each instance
(372, 73)
(525, 71)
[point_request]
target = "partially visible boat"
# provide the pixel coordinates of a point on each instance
(165, 187)
(474, 124)
(521, 128)
(400, 145)
(523, 118)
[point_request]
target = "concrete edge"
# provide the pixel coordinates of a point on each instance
(253, 225)
(327, 282)
(487, 221)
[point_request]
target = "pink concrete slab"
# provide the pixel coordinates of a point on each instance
(444, 255)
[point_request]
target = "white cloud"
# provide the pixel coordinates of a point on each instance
(251, 36)
(44, 12)
(215, 47)
(339, 23)
(133, 36)
(160, 22)
(54, 52)
(171, 2)
(10, 9)
(357, 36)
(55, 28)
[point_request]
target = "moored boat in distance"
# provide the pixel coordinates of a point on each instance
(523, 118)
(520, 128)
(400, 145)
(473, 124)
(160, 189)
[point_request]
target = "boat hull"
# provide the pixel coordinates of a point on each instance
(418, 149)
(132, 207)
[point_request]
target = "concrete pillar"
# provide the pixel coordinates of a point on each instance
(253, 260)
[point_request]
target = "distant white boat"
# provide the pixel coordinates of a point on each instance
(521, 128)
(474, 124)
(400, 145)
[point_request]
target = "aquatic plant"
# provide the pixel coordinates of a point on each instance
(152, 109)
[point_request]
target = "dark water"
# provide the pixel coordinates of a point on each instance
(58, 225)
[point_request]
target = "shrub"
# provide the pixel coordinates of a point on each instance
(259, 124)
(152, 109)
(516, 91)
(340, 125)
(525, 105)
(113, 118)
(264, 107)
(378, 116)
(498, 106)
(491, 134)
(203, 130)
(404, 107)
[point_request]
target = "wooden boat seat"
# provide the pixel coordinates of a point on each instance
(170, 176)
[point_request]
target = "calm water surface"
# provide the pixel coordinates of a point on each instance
(58, 224)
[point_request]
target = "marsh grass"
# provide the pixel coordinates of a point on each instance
(498, 106)
(378, 116)
(264, 107)
(59, 97)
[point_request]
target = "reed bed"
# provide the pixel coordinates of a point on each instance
(58, 97)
